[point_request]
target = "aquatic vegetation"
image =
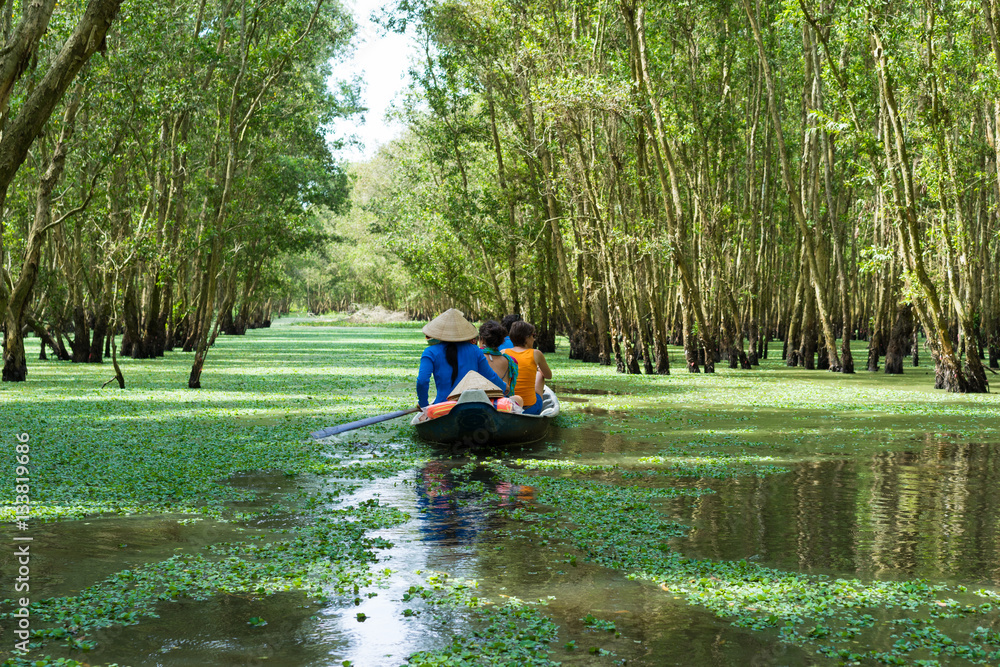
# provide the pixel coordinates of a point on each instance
(719, 465)
(595, 496)
(332, 557)
(511, 633)
(597, 624)
(412, 324)
(623, 528)
(554, 464)
(153, 449)
(49, 661)
(506, 636)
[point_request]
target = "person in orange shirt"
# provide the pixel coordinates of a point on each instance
(533, 370)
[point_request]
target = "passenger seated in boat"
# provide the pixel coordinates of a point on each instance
(507, 323)
(532, 369)
(491, 335)
(449, 355)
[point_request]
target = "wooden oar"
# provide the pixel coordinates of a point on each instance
(334, 430)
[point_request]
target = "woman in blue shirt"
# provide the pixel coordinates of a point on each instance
(449, 355)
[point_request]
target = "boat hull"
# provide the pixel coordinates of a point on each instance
(475, 422)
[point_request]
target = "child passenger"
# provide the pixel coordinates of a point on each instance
(491, 335)
(532, 369)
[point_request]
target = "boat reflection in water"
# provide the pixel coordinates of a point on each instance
(456, 505)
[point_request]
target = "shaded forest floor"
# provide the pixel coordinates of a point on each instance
(779, 516)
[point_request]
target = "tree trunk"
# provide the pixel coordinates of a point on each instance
(877, 339)
(119, 377)
(47, 338)
(81, 336)
(792, 353)
(948, 372)
(132, 338)
(689, 341)
(15, 365)
(15, 368)
(22, 45)
(194, 380)
(754, 336)
(96, 353)
(899, 340)
(666, 172)
(154, 334)
(807, 345)
(795, 200)
(87, 38)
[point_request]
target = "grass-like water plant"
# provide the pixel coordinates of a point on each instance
(616, 487)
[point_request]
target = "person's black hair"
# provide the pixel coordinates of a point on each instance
(508, 321)
(451, 356)
(492, 333)
(519, 332)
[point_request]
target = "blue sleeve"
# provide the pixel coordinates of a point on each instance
(487, 372)
(424, 379)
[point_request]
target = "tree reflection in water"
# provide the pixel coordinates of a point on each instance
(930, 513)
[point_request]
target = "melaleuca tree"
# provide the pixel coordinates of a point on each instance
(204, 155)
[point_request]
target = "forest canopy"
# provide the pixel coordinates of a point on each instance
(175, 171)
(714, 174)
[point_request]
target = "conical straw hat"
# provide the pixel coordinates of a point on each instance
(451, 327)
(474, 380)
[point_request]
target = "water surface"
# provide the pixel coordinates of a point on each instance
(927, 512)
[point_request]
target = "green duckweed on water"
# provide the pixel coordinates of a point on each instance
(806, 517)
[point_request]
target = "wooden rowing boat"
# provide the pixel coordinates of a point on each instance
(475, 422)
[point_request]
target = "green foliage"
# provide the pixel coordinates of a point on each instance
(531, 172)
(506, 635)
(351, 265)
(597, 624)
(152, 448)
(213, 133)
